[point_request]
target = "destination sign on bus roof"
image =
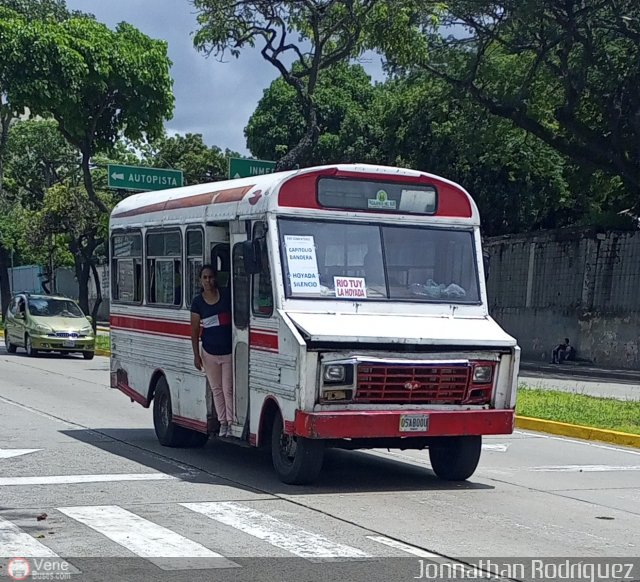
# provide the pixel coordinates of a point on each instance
(377, 196)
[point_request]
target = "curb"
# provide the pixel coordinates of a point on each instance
(578, 431)
(553, 427)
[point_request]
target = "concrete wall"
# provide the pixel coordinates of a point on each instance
(67, 284)
(579, 284)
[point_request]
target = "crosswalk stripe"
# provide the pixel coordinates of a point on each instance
(15, 542)
(402, 546)
(278, 533)
(146, 539)
(70, 479)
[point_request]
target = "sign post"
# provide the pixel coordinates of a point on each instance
(246, 168)
(142, 179)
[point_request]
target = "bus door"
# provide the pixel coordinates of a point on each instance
(240, 286)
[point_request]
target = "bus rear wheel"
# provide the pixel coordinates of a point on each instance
(455, 458)
(296, 460)
(170, 434)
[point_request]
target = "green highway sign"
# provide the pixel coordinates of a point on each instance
(141, 178)
(245, 168)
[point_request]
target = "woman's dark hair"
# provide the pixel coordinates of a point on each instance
(204, 268)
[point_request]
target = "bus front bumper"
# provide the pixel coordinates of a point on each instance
(357, 424)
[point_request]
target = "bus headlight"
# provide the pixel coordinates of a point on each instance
(482, 374)
(334, 374)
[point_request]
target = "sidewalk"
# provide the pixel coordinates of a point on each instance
(582, 379)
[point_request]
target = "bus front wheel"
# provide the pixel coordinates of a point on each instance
(455, 458)
(297, 460)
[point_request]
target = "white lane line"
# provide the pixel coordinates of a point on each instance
(278, 533)
(586, 468)
(69, 479)
(8, 453)
(499, 448)
(165, 548)
(404, 547)
(539, 435)
(14, 542)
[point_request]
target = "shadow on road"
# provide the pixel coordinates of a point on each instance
(251, 469)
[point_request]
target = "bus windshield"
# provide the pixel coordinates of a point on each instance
(345, 260)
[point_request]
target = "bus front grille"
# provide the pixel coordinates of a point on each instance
(401, 384)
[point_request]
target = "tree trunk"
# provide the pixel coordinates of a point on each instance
(96, 305)
(291, 160)
(5, 286)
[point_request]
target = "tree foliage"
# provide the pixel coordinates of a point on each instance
(313, 34)
(566, 72)
(343, 96)
(199, 162)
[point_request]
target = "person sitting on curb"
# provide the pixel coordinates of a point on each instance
(563, 352)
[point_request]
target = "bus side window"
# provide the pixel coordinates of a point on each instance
(240, 282)
(164, 268)
(262, 303)
(126, 267)
(195, 252)
(221, 261)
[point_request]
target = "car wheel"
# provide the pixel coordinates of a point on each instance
(7, 342)
(31, 351)
(88, 355)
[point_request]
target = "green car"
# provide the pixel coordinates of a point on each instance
(47, 323)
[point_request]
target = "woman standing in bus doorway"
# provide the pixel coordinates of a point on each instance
(211, 311)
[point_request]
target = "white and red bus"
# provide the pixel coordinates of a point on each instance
(360, 315)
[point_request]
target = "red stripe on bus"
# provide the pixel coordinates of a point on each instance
(144, 325)
(267, 340)
(131, 393)
(198, 425)
(228, 195)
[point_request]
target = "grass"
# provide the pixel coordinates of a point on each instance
(103, 342)
(606, 413)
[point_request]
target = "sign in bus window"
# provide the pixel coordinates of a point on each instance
(377, 196)
(303, 264)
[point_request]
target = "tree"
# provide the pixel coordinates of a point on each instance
(199, 162)
(343, 96)
(566, 72)
(313, 34)
(98, 84)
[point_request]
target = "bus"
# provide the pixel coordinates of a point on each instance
(359, 308)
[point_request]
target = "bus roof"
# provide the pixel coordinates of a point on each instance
(287, 190)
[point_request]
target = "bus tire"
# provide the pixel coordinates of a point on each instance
(296, 460)
(169, 434)
(456, 458)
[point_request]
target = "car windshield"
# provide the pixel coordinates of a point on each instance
(49, 307)
(323, 259)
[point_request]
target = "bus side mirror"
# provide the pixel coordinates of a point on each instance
(486, 260)
(251, 256)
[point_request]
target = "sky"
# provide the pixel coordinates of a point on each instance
(213, 98)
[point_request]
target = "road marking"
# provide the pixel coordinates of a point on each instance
(586, 468)
(404, 547)
(576, 441)
(14, 542)
(8, 453)
(499, 448)
(278, 533)
(69, 479)
(146, 539)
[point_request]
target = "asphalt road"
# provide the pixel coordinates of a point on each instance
(121, 507)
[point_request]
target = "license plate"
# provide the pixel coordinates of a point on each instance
(414, 423)
(68, 344)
